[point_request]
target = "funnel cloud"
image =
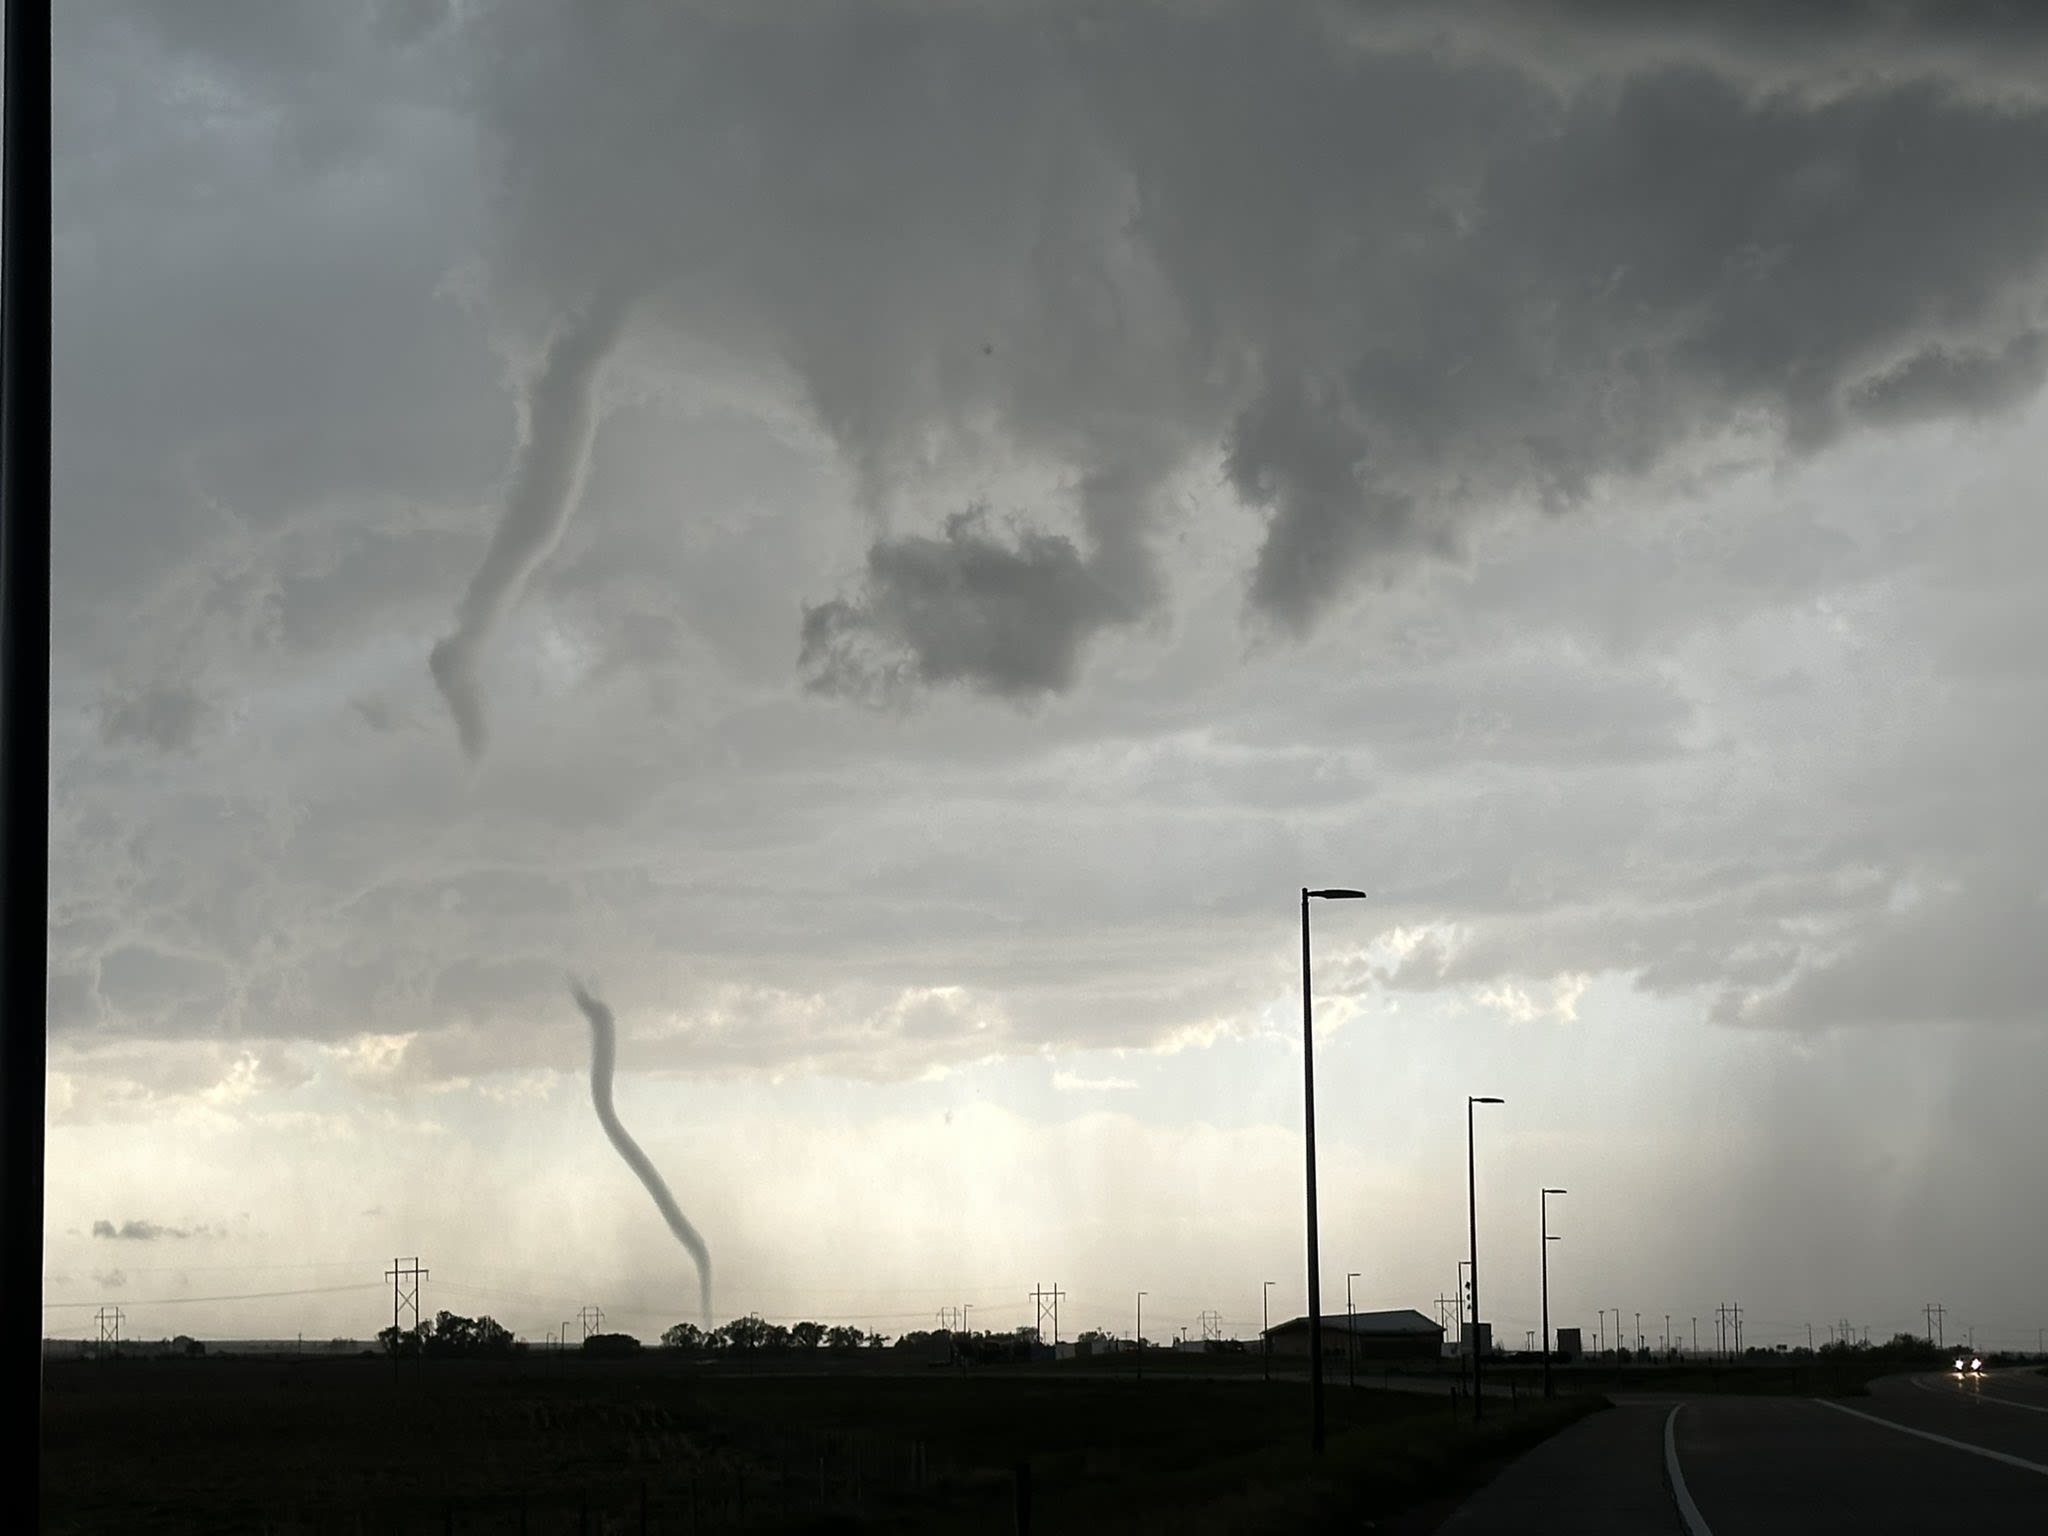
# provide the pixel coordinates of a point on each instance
(561, 421)
(604, 1045)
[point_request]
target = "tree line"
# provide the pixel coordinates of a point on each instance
(450, 1336)
(753, 1333)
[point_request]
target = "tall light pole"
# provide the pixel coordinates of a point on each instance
(1266, 1327)
(1350, 1335)
(1308, 1121)
(1472, 1205)
(1667, 1333)
(1141, 1335)
(1464, 1292)
(1543, 1203)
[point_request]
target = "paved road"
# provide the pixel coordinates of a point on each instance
(1920, 1453)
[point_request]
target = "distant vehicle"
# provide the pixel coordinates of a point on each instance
(1968, 1363)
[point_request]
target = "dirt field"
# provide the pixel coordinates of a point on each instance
(561, 1444)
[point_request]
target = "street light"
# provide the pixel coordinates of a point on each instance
(1544, 1205)
(1141, 1335)
(1472, 1198)
(1308, 1120)
(1350, 1335)
(1266, 1327)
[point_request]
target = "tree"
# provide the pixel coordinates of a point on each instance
(683, 1336)
(843, 1338)
(396, 1342)
(807, 1335)
(747, 1333)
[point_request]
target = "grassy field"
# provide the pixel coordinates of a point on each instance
(563, 1444)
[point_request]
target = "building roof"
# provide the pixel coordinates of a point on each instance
(1380, 1324)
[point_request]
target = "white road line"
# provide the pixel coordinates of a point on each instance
(1928, 1434)
(1981, 1395)
(1689, 1512)
(2006, 1402)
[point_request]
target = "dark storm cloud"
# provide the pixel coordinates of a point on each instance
(1400, 265)
(1400, 285)
(168, 716)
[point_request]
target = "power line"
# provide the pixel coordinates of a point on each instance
(179, 1301)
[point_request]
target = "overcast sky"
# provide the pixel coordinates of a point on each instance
(932, 524)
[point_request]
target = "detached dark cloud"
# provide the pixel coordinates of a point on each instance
(1009, 616)
(144, 1231)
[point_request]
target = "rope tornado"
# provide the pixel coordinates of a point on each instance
(604, 1043)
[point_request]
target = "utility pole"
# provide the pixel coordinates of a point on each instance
(1308, 1142)
(1941, 1326)
(1736, 1309)
(1543, 1217)
(1266, 1327)
(1350, 1334)
(1141, 1335)
(1667, 1333)
(1695, 1338)
(405, 1276)
(1479, 1338)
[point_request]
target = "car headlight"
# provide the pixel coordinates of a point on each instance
(1976, 1365)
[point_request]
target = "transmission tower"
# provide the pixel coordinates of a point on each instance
(110, 1319)
(405, 1276)
(1212, 1326)
(592, 1319)
(1048, 1309)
